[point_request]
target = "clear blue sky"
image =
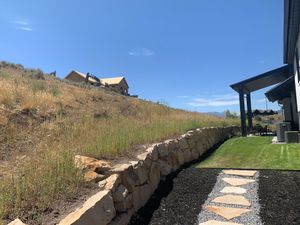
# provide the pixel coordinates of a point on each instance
(183, 52)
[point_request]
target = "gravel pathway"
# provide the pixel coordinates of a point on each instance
(249, 218)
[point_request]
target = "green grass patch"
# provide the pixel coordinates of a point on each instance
(254, 153)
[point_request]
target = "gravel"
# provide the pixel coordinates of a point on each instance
(279, 197)
(183, 204)
(250, 218)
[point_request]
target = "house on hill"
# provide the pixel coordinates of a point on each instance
(118, 83)
(79, 77)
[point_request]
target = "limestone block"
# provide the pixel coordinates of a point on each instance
(154, 176)
(110, 183)
(88, 163)
(120, 193)
(98, 209)
(165, 167)
(120, 206)
(119, 168)
(129, 201)
(91, 176)
(182, 142)
(141, 194)
(187, 155)
(16, 222)
(180, 156)
(174, 161)
(142, 172)
(162, 150)
(130, 179)
(172, 145)
(154, 153)
(145, 158)
(122, 218)
(195, 153)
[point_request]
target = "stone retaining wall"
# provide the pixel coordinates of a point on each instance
(130, 184)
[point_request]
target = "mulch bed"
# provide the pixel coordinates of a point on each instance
(279, 193)
(183, 204)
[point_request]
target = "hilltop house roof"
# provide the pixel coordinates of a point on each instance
(82, 75)
(113, 80)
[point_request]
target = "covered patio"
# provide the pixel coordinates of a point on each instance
(246, 87)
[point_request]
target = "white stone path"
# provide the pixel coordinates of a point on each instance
(233, 200)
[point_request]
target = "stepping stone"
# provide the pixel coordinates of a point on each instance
(246, 173)
(233, 200)
(227, 212)
(237, 181)
(234, 190)
(215, 222)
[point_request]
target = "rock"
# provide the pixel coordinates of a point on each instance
(129, 201)
(91, 176)
(110, 183)
(142, 172)
(162, 150)
(130, 179)
(88, 163)
(121, 206)
(119, 168)
(154, 176)
(174, 161)
(195, 154)
(165, 167)
(16, 222)
(180, 156)
(145, 158)
(187, 155)
(141, 194)
(154, 153)
(183, 143)
(98, 209)
(123, 218)
(120, 193)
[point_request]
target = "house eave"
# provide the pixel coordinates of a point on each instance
(291, 28)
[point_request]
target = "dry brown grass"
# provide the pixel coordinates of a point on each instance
(44, 123)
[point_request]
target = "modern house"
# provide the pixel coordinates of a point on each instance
(286, 78)
(79, 77)
(118, 84)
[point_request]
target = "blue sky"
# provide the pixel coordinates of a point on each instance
(182, 52)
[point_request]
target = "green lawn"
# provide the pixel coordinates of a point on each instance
(254, 153)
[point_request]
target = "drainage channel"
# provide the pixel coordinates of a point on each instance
(143, 215)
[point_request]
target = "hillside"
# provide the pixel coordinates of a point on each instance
(45, 122)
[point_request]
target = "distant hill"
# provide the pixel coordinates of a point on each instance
(219, 114)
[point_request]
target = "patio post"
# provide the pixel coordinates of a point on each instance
(249, 113)
(242, 111)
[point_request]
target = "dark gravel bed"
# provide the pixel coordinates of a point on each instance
(183, 204)
(279, 193)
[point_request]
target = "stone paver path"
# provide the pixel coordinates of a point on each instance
(234, 190)
(215, 222)
(233, 200)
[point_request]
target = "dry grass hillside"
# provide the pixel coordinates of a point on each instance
(44, 122)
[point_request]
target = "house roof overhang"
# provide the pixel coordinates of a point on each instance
(263, 80)
(281, 91)
(291, 28)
